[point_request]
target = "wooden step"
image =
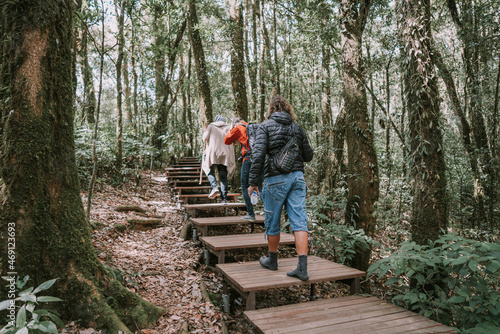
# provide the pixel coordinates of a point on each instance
(186, 183)
(185, 189)
(187, 168)
(220, 243)
(202, 224)
(351, 314)
(231, 197)
(193, 210)
(186, 164)
(176, 172)
(249, 277)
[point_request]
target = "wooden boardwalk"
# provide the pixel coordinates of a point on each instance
(220, 243)
(202, 224)
(250, 277)
(193, 210)
(352, 314)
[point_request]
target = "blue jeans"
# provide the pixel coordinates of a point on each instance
(245, 183)
(287, 190)
(222, 178)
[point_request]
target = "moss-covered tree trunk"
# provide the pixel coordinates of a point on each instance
(363, 178)
(430, 209)
(40, 194)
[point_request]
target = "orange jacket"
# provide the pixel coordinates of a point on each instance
(238, 133)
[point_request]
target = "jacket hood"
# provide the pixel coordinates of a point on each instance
(281, 117)
(219, 124)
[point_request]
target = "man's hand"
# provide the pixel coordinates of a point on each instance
(252, 189)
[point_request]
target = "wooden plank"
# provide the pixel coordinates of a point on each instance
(182, 168)
(243, 241)
(181, 172)
(192, 188)
(205, 195)
(251, 276)
(213, 206)
(227, 220)
(353, 314)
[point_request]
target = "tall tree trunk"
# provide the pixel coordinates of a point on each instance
(127, 91)
(262, 62)
(252, 66)
(362, 160)
(237, 60)
(168, 98)
(388, 159)
(40, 195)
(205, 99)
(119, 89)
(325, 174)
(465, 133)
(430, 206)
(468, 33)
(277, 82)
(159, 66)
(190, 117)
(89, 103)
(135, 78)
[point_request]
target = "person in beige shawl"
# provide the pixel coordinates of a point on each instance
(218, 156)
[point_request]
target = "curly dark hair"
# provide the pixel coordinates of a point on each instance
(279, 103)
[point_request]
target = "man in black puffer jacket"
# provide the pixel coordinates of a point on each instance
(282, 189)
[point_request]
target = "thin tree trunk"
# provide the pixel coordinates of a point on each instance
(127, 91)
(388, 128)
(362, 160)
(465, 133)
(41, 192)
(468, 33)
(275, 44)
(430, 206)
(96, 125)
(89, 103)
(238, 80)
(252, 68)
(190, 118)
(119, 90)
(135, 79)
(205, 99)
(262, 61)
(325, 174)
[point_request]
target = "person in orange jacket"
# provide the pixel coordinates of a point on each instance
(238, 133)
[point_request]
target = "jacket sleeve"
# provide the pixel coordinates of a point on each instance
(206, 133)
(259, 152)
(232, 135)
(306, 148)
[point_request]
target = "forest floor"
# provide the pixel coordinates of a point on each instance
(168, 271)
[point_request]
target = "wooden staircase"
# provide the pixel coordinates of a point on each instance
(352, 314)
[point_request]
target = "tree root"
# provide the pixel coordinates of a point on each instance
(112, 307)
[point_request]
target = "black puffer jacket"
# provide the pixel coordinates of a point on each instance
(272, 135)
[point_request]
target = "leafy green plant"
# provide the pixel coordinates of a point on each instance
(339, 242)
(453, 280)
(331, 239)
(22, 322)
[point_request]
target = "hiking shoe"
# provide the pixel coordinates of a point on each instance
(214, 193)
(270, 262)
(301, 271)
(249, 218)
(224, 201)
